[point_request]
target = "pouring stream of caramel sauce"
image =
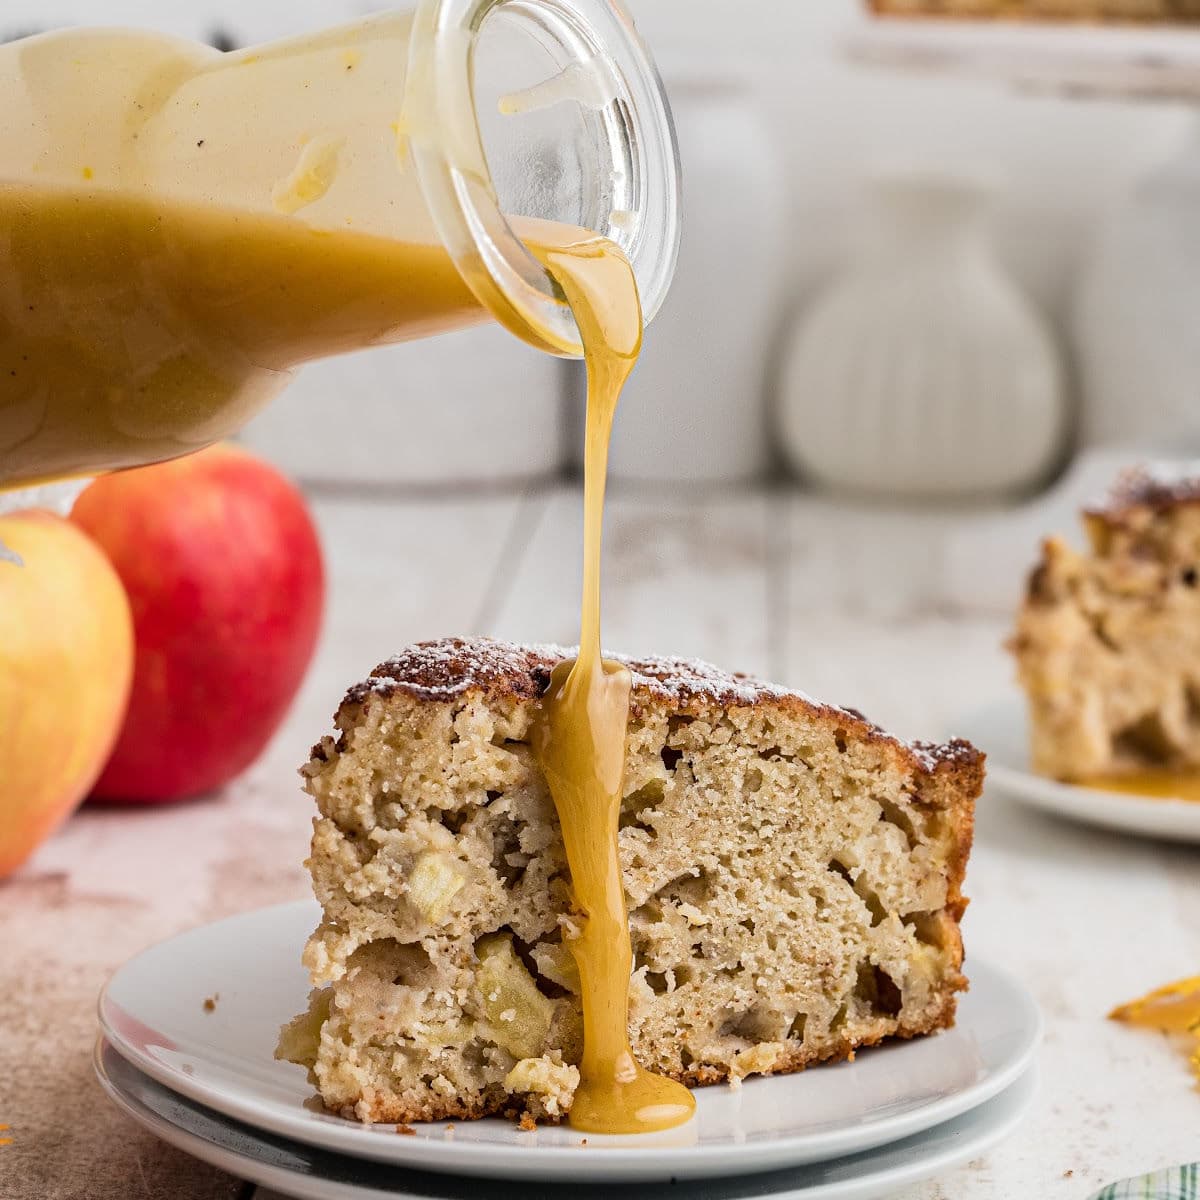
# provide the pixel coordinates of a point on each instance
(579, 738)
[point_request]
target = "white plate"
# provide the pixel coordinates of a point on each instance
(153, 1013)
(307, 1174)
(1000, 732)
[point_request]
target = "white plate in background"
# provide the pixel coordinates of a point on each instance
(153, 1012)
(308, 1174)
(1000, 732)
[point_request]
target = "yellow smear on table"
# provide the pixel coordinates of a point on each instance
(1172, 1009)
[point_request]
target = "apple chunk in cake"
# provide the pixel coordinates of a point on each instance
(793, 874)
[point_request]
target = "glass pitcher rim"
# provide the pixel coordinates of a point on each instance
(493, 260)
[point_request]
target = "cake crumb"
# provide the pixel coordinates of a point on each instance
(1068, 1173)
(210, 1002)
(527, 1123)
(407, 1130)
(583, 1141)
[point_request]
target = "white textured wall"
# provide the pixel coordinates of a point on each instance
(1062, 162)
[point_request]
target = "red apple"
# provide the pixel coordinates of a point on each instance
(223, 568)
(66, 659)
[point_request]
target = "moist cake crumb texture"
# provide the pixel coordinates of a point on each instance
(794, 877)
(1108, 640)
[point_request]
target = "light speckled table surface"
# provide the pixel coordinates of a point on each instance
(844, 605)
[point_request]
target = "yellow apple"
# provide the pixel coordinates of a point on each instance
(66, 662)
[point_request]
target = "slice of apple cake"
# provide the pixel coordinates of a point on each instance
(793, 873)
(1108, 640)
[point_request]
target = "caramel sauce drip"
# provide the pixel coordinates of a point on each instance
(579, 738)
(1157, 784)
(1172, 1009)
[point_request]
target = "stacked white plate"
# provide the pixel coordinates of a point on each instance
(202, 1076)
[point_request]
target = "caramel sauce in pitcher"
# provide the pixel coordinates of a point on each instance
(135, 329)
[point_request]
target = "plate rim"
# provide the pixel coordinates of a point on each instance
(1025, 1088)
(1146, 816)
(617, 1163)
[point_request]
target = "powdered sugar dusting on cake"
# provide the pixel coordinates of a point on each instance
(441, 671)
(1157, 485)
(447, 668)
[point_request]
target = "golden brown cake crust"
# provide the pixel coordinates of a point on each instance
(449, 668)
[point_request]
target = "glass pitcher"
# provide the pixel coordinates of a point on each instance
(181, 228)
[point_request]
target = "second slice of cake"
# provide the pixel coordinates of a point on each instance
(794, 877)
(1107, 642)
